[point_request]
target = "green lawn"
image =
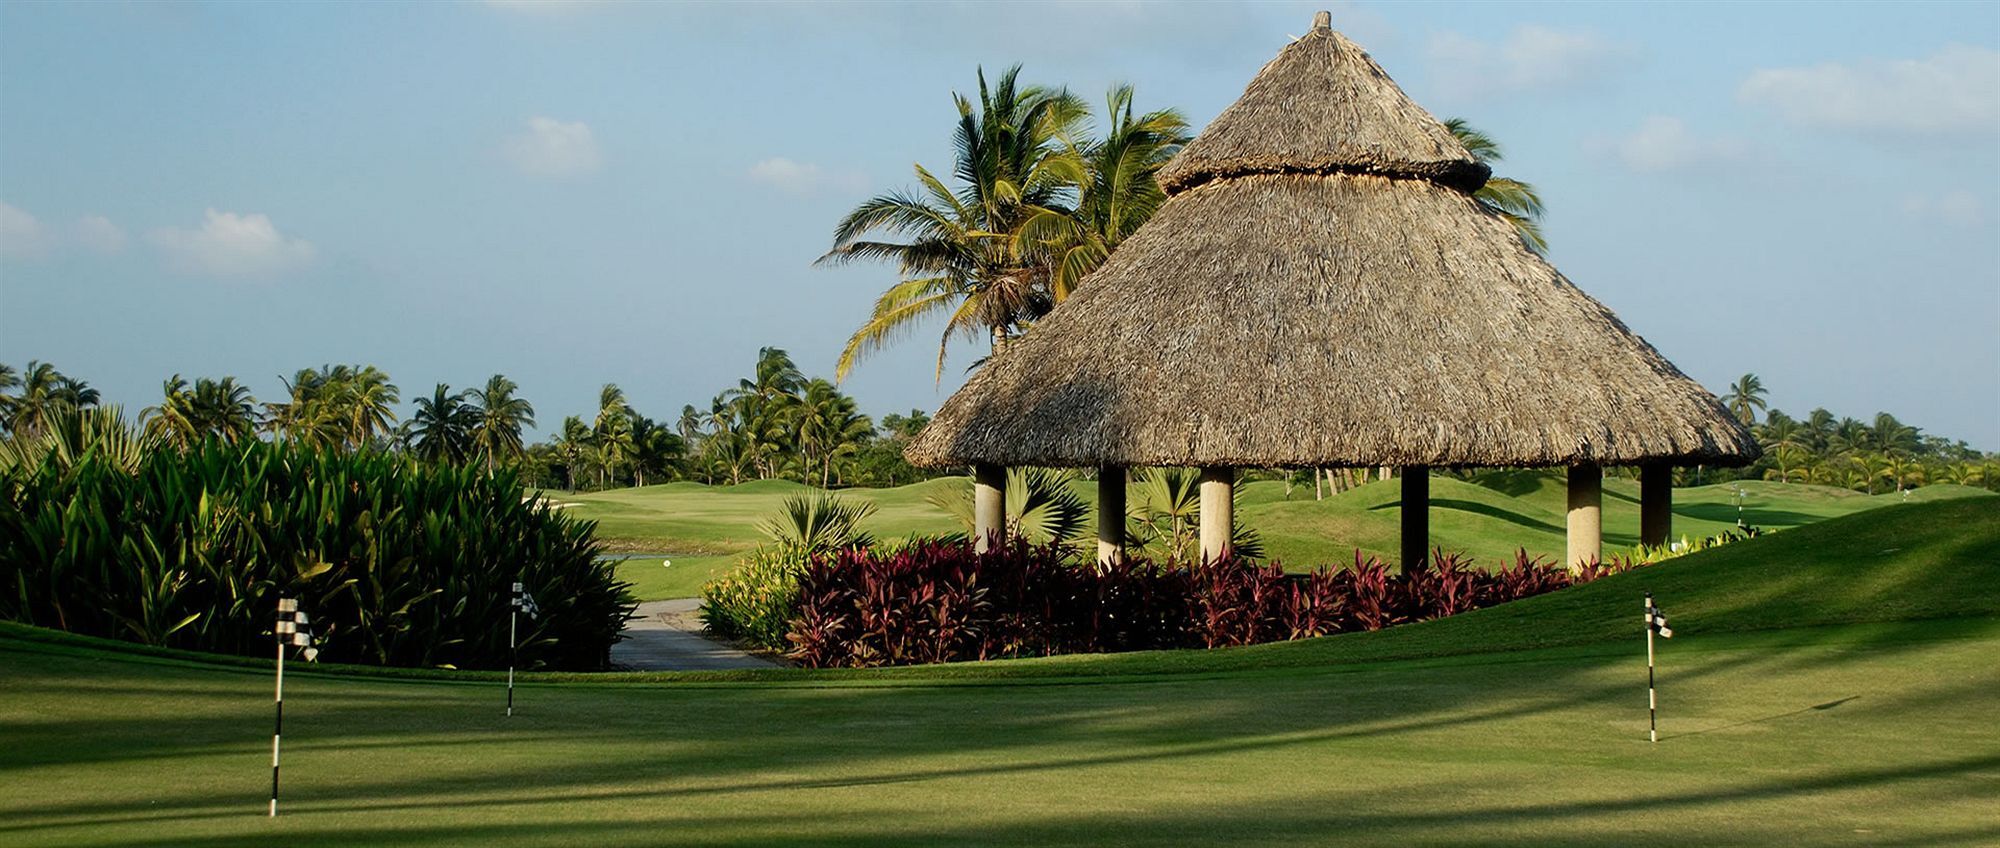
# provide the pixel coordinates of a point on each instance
(704, 529)
(1829, 685)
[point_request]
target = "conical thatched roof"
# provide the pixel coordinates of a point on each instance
(1321, 290)
(1324, 107)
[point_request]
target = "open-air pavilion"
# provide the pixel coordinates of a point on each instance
(1322, 290)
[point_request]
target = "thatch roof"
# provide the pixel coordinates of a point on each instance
(1323, 107)
(1349, 306)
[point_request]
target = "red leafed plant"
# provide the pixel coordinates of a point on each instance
(931, 601)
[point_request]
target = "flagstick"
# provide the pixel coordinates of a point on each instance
(1652, 700)
(278, 729)
(513, 616)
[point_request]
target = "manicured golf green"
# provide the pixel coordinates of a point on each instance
(1833, 684)
(705, 529)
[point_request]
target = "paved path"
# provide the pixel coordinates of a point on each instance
(666, 636)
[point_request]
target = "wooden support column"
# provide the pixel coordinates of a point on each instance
(989, 505)
(1656, 503)
(1218, 511)
(1586, 515)
(1416, 517)
(1110, 514)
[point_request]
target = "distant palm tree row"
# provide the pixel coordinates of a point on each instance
(1034, 202)
(1879, 455)
(780, 424)
(775, 424)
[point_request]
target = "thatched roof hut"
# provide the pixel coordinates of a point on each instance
(1320, 289)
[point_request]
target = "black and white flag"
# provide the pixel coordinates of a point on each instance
(1656, 621)
(525, 602)
(295, 629)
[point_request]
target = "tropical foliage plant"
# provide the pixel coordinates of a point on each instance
(399, 562)
(931, 601)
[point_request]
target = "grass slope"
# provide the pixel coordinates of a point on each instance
(1858, 733)
(705, 529)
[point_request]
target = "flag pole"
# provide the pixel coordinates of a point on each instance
(1652, 700)
(513, 616)
(278, 728)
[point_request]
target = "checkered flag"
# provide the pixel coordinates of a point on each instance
(1656, 621)
(295, 629)
(525, 602)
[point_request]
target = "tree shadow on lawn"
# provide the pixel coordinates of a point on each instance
(1488, 510)
(1756, 516)
(873, 732)
(1766, 810)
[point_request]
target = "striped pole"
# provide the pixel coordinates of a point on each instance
(285, 605)
(513, 617)
(1652, 700)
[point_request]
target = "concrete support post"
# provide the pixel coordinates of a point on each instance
(1656, 503)
(1416, 517)
(1218, 511)
(1110, 514)
(989, 505)
(1586, 515)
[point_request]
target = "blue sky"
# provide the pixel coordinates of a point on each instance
(582, 193)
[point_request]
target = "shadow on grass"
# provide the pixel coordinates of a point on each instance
(1476, 507)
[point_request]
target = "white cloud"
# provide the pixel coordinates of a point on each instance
(804, 177)
(1663, 143)
(1531, 57)
(97, 233)
(1958, 207)
(22, 235)
(232, 245)
(1954, 92)
(552, 148)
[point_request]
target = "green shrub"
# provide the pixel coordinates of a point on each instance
(757, 600)
(820, 522)
(399, 563)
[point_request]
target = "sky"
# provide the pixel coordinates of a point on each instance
(580, 193)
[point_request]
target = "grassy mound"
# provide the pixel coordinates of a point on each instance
(1859, 733)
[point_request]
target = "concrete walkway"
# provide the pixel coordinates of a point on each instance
(666, 636)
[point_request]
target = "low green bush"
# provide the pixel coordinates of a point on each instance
(399, 563)
(757, 600)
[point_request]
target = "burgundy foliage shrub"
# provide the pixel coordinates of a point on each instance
(933, 601)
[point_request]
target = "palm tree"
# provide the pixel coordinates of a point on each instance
(502, 416)
(571, 444)
(1789, 441)
(441, 429)
(1512, 200)
(9, 381)
(613, 425)
(368, 398)
(225, 408)
(1820, 424)
(614, 442)
(1745, 398)
(1897, 443)
(220, 408)
(655, 449)
(75, 393)
(41, 396)
(173, 421)
(828, 426)
(764, 407)
(963, 251)
(1118, 189)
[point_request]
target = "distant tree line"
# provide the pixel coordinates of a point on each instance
(1879, 455)
(776, 423)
